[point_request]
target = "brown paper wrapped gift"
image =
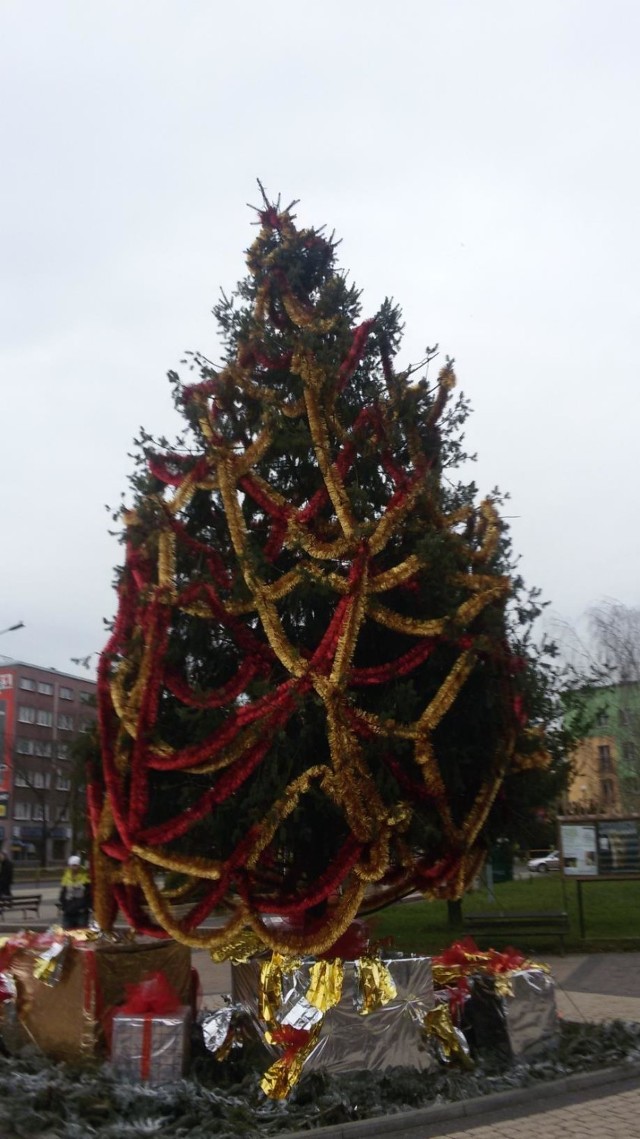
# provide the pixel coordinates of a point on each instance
(65, 1019)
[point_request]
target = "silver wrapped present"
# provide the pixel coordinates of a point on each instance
(356, 1032)
(151, 1048)
(513, 1014)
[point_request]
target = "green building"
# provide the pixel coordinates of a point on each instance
(606, 764)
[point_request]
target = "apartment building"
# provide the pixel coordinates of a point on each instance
(42, 712)
(606, 763)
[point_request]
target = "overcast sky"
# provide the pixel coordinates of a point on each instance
(480, 161)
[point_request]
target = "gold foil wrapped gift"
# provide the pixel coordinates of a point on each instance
(65, 1019)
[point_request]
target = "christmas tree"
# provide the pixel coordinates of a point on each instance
(312, 695)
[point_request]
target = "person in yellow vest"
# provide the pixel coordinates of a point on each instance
(75, 895)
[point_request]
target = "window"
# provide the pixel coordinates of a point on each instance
(27, 684)
(20, 779)
(24, 747)
(22, 810)
(86, 697)
(40, 779)
(45, 719)
(607, 792)
(602, 718)
(630, 751)
(624, 717)
(63, 783)
(66, 693)
(604, 757)
(86, 725)
(45, 689)
(26, 715)
(39, 814)
(65, 722)
(63, 751)
(43, 748)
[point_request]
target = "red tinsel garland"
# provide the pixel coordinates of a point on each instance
(354, 355)
(322, 889)
(217, 697)
(382, 673)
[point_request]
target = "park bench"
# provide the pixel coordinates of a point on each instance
(28, 903)
(545, 923)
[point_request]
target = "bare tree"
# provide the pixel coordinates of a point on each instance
(615, 632)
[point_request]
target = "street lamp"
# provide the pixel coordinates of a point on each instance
(12, 628)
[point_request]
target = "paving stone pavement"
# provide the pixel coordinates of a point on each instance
(614, 1116)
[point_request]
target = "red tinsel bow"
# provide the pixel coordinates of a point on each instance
(292, 1039)
(469, 958)
(353, 944)
(153, 995)
(459, 953)
(457, 995)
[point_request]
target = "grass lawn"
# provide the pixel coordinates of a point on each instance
(612, 916)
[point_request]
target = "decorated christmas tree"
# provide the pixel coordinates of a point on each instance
(312, 700)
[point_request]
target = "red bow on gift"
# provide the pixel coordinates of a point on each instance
(466, 955)
(153, 994)
(292, 1039)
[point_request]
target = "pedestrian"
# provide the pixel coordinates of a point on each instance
(6, 876)
(75, 895)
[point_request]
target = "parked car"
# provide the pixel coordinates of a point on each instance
(544, 865)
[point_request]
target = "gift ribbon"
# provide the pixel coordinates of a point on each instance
(377, 987)
(325, 984)
(147, 1036)
(282, 1076)
(452, 1042)
(151, 997)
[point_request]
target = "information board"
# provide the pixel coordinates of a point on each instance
(604, 846)
(578, 848)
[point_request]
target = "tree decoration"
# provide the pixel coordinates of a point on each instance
(309, 702)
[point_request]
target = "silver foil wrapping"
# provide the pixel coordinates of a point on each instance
(234, 1027)
(514, 1015)
(216, 1028)
(386, 1037)
(151, 1049)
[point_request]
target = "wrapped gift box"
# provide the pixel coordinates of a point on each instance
(65, 1019)
(151, 1048)
(513, 1015)
(388, 1036)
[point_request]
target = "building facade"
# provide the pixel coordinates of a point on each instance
(42, 713)
(606, 764)
(595, 787)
